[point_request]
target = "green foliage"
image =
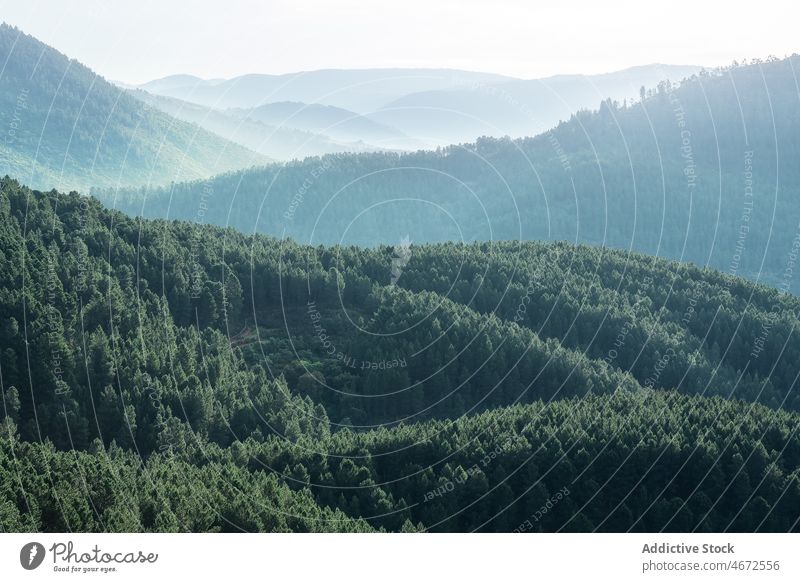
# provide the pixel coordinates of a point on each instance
(112, 490)
(642, 462)
(167, 376)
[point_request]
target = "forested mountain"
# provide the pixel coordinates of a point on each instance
(699, 172)
(170, 376)
(66, 127)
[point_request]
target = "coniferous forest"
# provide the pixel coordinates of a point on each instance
(151, 387)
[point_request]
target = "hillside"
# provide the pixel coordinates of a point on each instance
(441, 387)
(698, 172)
(66, 127)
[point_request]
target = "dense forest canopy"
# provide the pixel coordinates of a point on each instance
(699, 172)
(173, 376)
(65, 126)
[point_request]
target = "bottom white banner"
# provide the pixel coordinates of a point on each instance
(335, 557)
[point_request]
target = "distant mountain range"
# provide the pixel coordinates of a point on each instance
(360, 90)
(64, 126)
(405, 109)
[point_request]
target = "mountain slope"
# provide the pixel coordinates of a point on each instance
(698, 172)
(445, 387)
(67, 127)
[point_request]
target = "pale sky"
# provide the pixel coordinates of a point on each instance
(136, 41)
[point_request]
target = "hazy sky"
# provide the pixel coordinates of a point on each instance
(135, 41)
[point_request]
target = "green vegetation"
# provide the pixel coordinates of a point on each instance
(169, 376)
